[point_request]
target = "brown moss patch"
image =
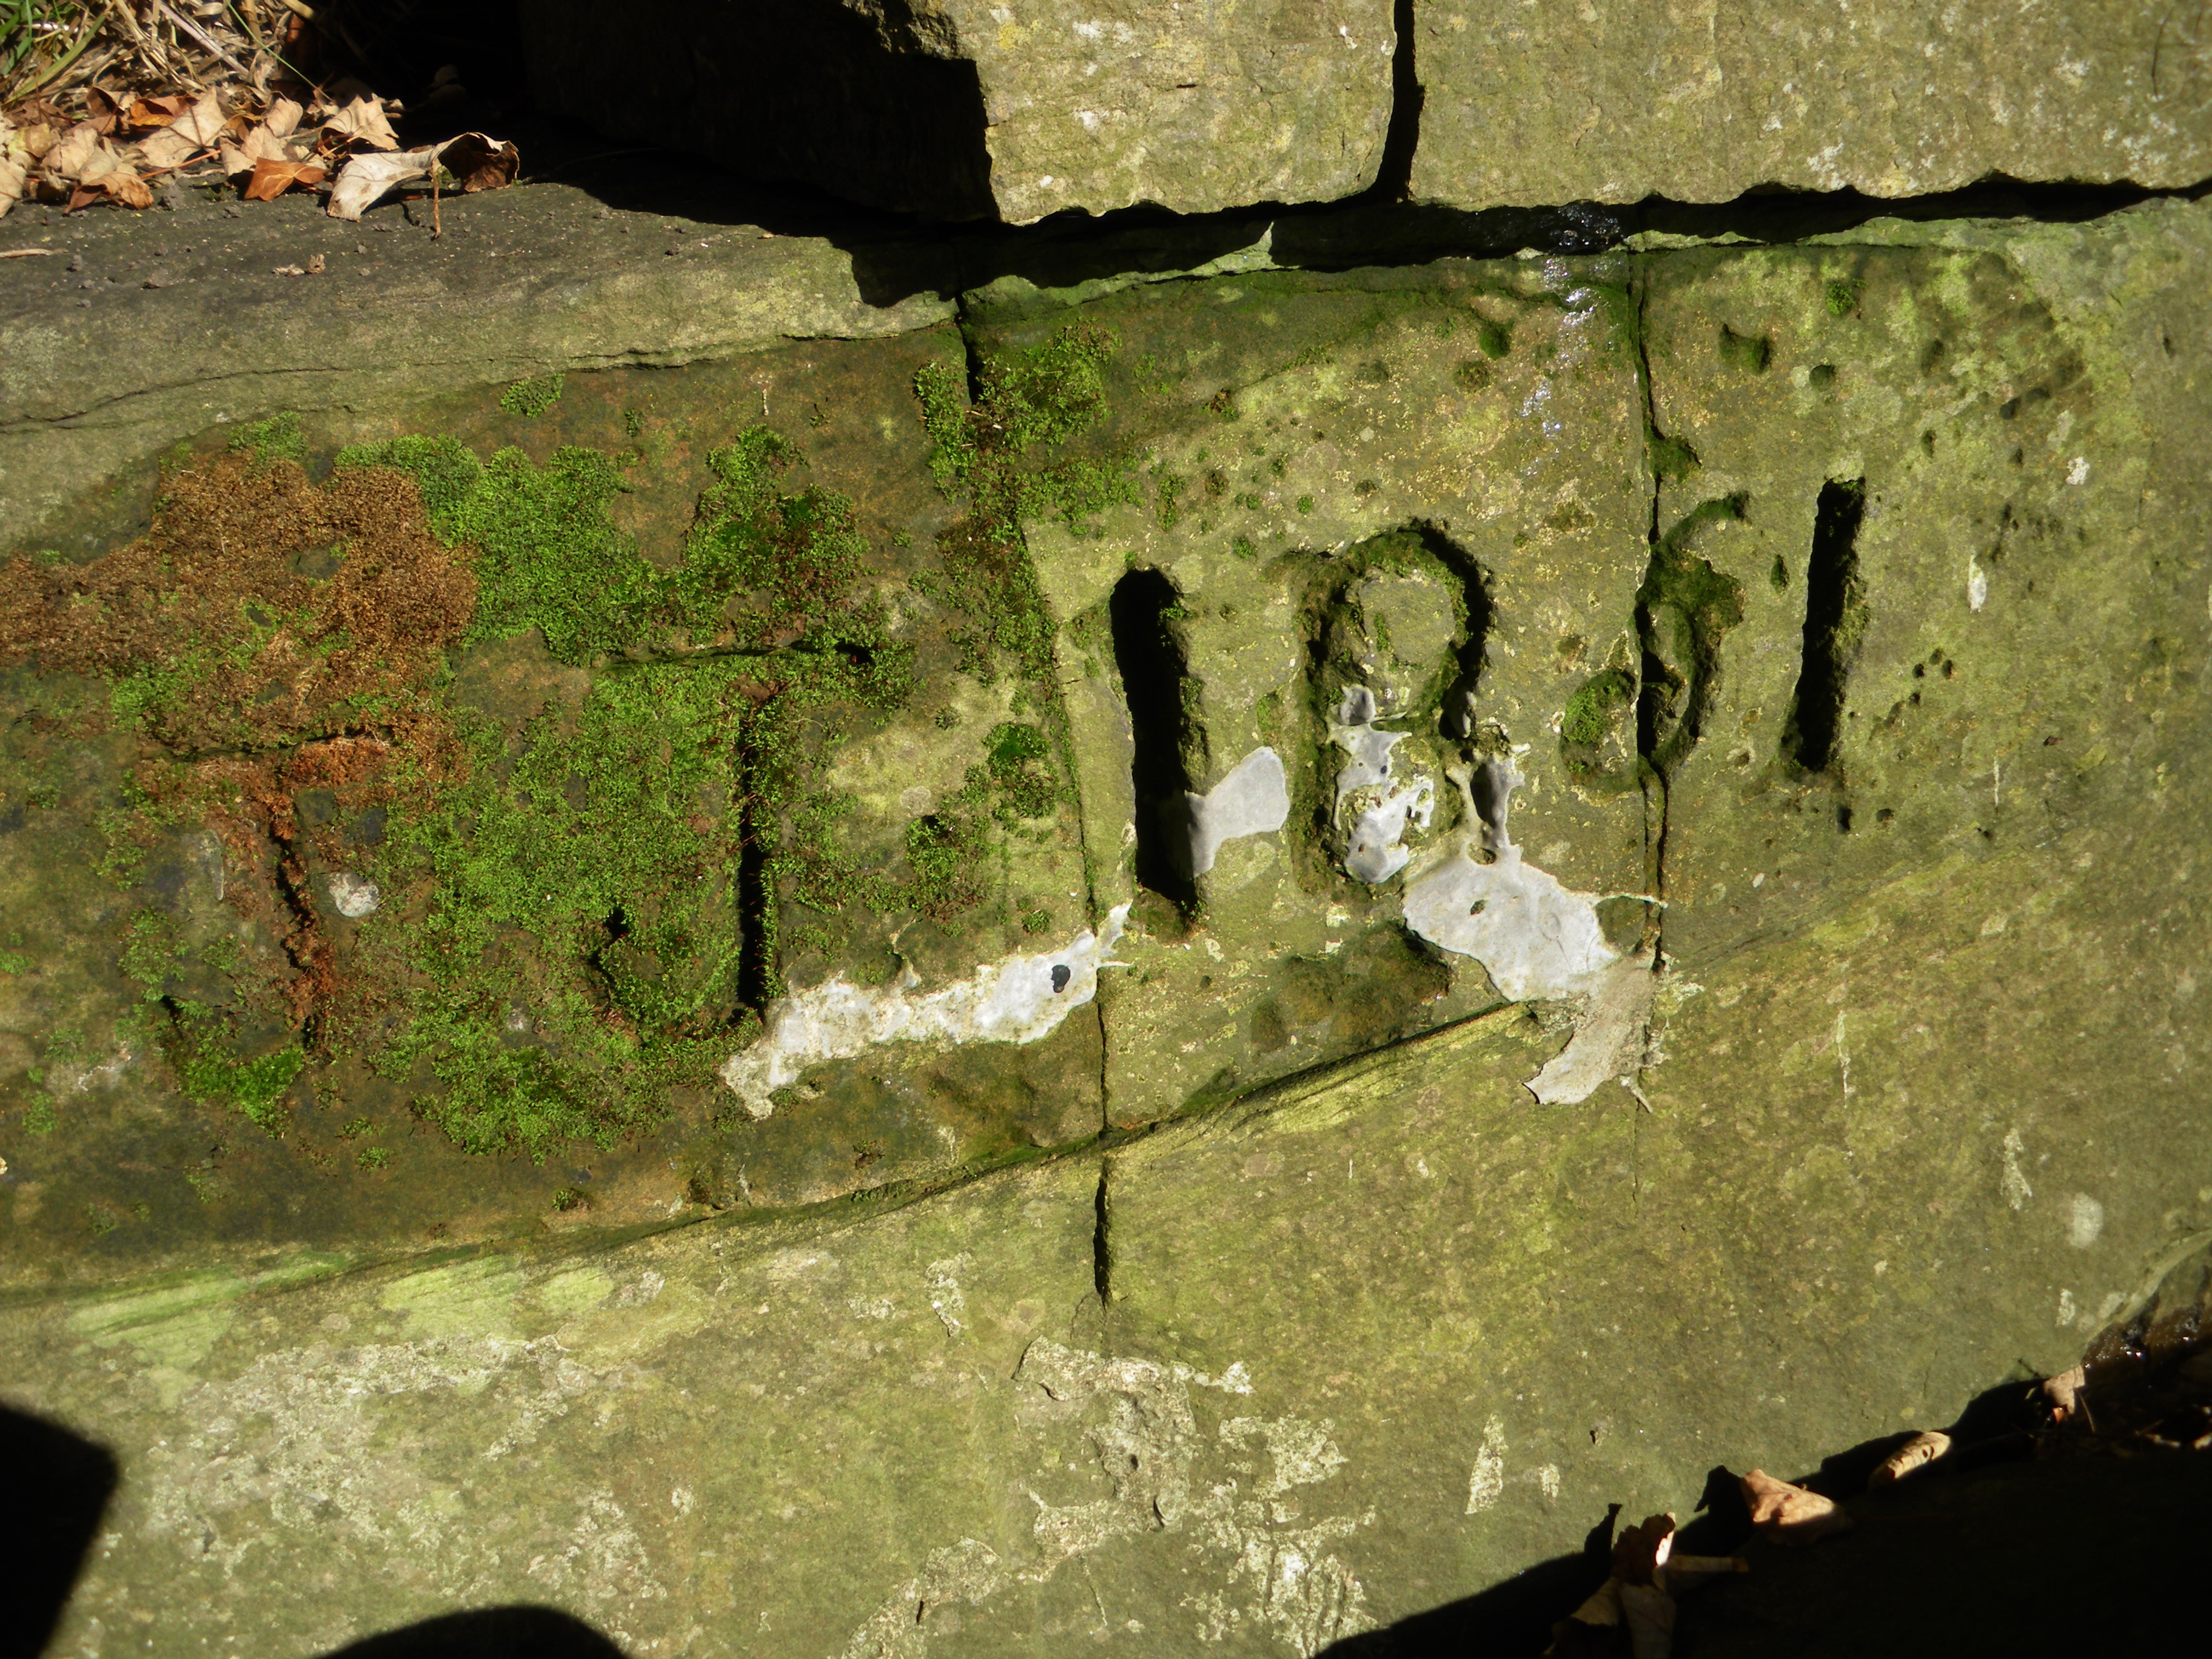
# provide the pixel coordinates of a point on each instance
(260, 609)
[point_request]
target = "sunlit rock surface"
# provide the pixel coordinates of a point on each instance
(1613, 102)
(963, 110)
(1836, 614)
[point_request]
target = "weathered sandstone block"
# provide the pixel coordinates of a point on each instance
(1612, 101)
(964, 109)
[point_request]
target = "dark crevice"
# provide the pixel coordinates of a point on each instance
(304, 943)
(898, 255)
(756, 974)
(1473, 648)
(896, 259)
(1153, 677)
(1102, 1248)
(1835, 617)
(1651, 671)
(972, 351)
(863, 102)
(1395, 175)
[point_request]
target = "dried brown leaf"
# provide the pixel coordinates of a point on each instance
(272, 178)
(203, 123)
(283, 118)
(476, 162)
(38, 138)
(103, 161)
(2062, 1393)
(65, 160)
(361, 124)
(1603, 1606)
(147, 113)
(480, 163)
(315, 265)
(100, 111)
(1914, 1455)
(119, 184)
(13, 177)
(1641, 1551)
(365, 178)
(258, 146)
(1787, 1514)
(1649, 1612)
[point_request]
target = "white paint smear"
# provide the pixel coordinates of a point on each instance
(1020, 999)
(1252, 800)
(1485, 1484)
(2085, 1221)
(1381, 803)
(1537, 938)
(2017, 1192)
(1620, 1009)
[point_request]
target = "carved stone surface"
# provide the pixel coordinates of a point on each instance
(422, 824)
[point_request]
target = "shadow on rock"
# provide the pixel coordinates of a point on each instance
(57, 1485)
(488, 1633)
(1514, 1616)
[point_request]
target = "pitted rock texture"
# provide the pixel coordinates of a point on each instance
(1612, 101)
(964, 109)
(1833, 617)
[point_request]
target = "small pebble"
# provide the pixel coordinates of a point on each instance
(76, 262)
(159, 279)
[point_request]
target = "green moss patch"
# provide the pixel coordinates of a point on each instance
(1596, 704)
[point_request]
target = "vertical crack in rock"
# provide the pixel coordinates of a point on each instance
(1647, 737)
(1395, 177)
(758, 981)
(1153, 675)
(1835, 623)
(1102, 1241)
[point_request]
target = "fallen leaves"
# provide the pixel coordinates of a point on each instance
(1639, 1596)
(271, 179)
(172, 143)
(344, 135)
(474, 161)
(1923, 1448)
(2062, 1393)
(1787, 1514)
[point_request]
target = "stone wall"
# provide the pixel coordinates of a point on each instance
(1023, 110)
(1163, 954)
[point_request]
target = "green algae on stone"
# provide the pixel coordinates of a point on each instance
(213, 1075)
(531, 398)
(1591, 711)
